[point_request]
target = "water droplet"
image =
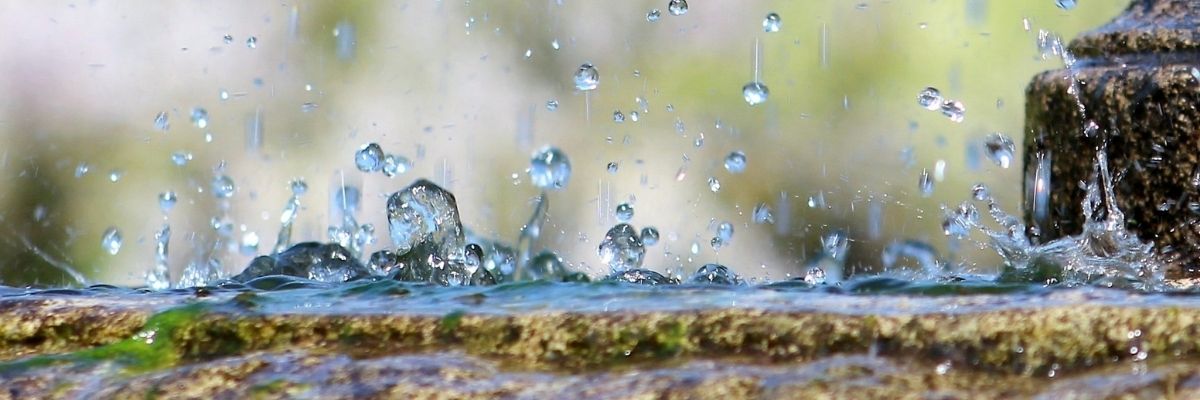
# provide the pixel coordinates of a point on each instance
(162, 121)
(642, 103)
(649, 236)
(980, 192)
(82, 169)
(200, 117)
(223, 95)
(925, 183)
(586, 77)
(166, 201)
(111, 241)
(762, 214)
(624, 212)
(551, 105)
(308, 107)
(1065, 4)
(550, 169)
(369, 158)
(815, 276)
(298, 186)
(181, 158)
(772, 23)
(249, 245)
(395, 165)
(755, 93)
(228, 39)
(612, 167)
(223, 187)
(621, 248)
(653, 15)
(999, 149)
(725, 231)
(1090, 128)
(554, 44)
(930, 99)
(735, 162)
(954, 109)
(679, 126)
(252, 42)
(633, 115)
(677, 7)
(713, 184)
(618, 117)
(115, 175)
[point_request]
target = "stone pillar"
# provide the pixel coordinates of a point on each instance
(1138, 85)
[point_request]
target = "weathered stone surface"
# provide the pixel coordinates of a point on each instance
(1138, 82)
(298, 374)
(782, 344)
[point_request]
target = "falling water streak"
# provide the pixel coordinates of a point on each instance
(756, 60)
(160, 277)
(824, 45)
(61, 265)
(529, 234)
(284, 239)
(587, 106)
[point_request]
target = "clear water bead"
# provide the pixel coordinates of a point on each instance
(713, 184)
(815, 276)
(551, 105)
(725, 231)
(299, 186)
(980, 192)
(677, 7)
(550, 169)
(999, 149)
(249, 245)
(762, 214)
(955, 110)
(624, 212)
(111, 241)
(586, 77)
(930, 99)
(252, 42)
(621, 248)
(612, 167)
(166, 201)
(618, 117)
(82, 169)
(223, 187)
(228, 39)
(925, 183)
(395, 165)
(115, 175)
(653, 15)
(772, 23)
(369, 158)
(1065, 4)
(200, 117)
(755, 93)
(633, 116)
(649, 236)
(735, 162)
(162, 121)
(835, 243)
(181, 158)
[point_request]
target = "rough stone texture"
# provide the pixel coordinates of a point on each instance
(456, 376)
(55, 325)
(987, 346)
(1138, 81)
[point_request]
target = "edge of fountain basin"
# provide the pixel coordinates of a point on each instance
(1080, 332)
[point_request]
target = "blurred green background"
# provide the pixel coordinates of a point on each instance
(449, 85)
